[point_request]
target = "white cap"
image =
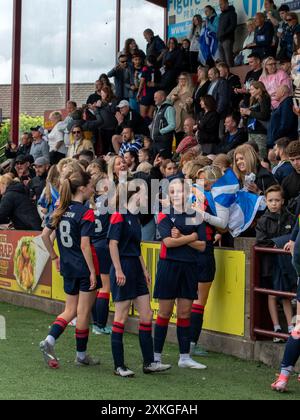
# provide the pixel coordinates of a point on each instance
(123, 103)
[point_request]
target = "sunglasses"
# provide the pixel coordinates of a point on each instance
(76, 132)
(123, 62)
(289, 20)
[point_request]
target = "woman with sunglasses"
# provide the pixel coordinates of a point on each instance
(79, 142)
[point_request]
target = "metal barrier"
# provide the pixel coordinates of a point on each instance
(260, 324)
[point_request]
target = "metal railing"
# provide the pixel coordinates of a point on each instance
(261, 324)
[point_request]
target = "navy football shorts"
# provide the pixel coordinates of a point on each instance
(73, 286)
(206, 268)
(176, 280)
(104, 259)
(135, 285)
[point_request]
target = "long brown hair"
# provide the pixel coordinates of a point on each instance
(69, 187)
(262, 88)
(52, 180)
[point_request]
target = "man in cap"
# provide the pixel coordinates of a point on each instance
(39, 147)
(22, 169)
(38, 183)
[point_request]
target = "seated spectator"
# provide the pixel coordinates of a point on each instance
(163, 125)
(208, 126)
(16, 207)
(219, 89)
(233, 83)
(86, 156)
(130, 143)
(263, 38)
(252, 76)
(283, 121)
(180, 98)
(131, 159)
(97, 168)
(272, 78)
(12, 150)
(95, 97)
(291, 184)
(188, 127)
(195, 44)
(246, 161)
(185, 51)
(201, 90)
(145, 168)
(187, 144)
(169, 168)
(121, 75)
(258, 115)
(284, 167)
(222, 162)
(144, 155)
(277, 271)
(155, 46)
(56, 143)
(234, 136)
(39, 147)
(150, 78)
(243, 57)
(79, 143)
(131, 49)
(23, 170)
(116, 166)
(37, 184)
(226, 32)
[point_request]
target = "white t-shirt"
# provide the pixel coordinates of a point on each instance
(57, 136)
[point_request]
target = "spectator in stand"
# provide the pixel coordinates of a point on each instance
(116, 166)
(201, 90)
(185, 50)
(131, 49)
(208, 126)
(273, 16)
(12, 150)
(233, 81)
(56, 143)
(211, 23)
(243, 56)
(121, 74)
(39, 147)
(108, 100)
(130, 143)
(226, 32)
(283, 121)
(136, 71)
(195, 42)
(258, 114)
(23, 170)
(163, 125)
(293, 29)
(252, 76)
(132, 161)
(282, 32)
(263, 39)
(284, 167)
(128, 117)
(155, 46)
(73, 114)
(38, 183)
(291, 184)
(79, 142)
(16, 207)
(173, 55)
(181, 98)
(234, 136)
(188, 127)
(50, 195)
(149, 78)
(144, 156)
(246, 161)
(95, 97)
(273, 77)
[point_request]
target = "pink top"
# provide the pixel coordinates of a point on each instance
(273, 81)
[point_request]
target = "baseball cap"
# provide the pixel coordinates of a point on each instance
(21, 159)
(41, 161)
(123, 103)
(38, 128)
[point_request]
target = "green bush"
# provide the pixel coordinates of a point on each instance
(26, 122)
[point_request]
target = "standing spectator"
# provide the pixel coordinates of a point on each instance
(39, 147)
(16, 207)
(209, 35)
(163, 125)
(131, 49)
(252, 76)
(212, 19)
(219, 89)
(195, 42)
(208, 126)
(173, 55)
(180, 98)
(233, 81)
(283, 121)
(234, 136)
(155, 46)
(103, 78)
(284, 167)
(282, 31)
(121, 76)
(95, 97)
(293, 29)
(79, 142)
(263, 38)
(272, 78)
(12, 150)
(243, 57)
(38, 183)
(291, 184)
(201, 90)
(226, 32)
(136, 70)
(147, 89)
(56, 143)
(185, 53)
(258, 114)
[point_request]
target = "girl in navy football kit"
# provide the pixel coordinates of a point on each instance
(129, 278)
(177, 275)
(74, 225)
(99, 240)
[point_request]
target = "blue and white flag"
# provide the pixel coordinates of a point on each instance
(224, 190)
(208, 46)
(243, 211)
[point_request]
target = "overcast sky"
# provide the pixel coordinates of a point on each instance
(93, 42)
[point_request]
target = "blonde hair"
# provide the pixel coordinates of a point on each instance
(212, 173)
(144, 167)
(265, 62)
(57, 115)
(111, 167)
(52, 181)
(189, 81)
(251, 160)
(192, 170)
(64, 162)
(7, 180)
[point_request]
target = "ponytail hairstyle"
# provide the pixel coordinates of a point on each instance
(52, 181)
(69, 187)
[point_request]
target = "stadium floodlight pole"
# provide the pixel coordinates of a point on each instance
(69, 50)
(118, 26)
(16, 70)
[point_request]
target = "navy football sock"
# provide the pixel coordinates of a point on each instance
(146, 343)
(117, 344)
(196, 323)
(102, 309)
(292, 352)
(82, 338)
(183, 335)
(58, 328)
(160, 334)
